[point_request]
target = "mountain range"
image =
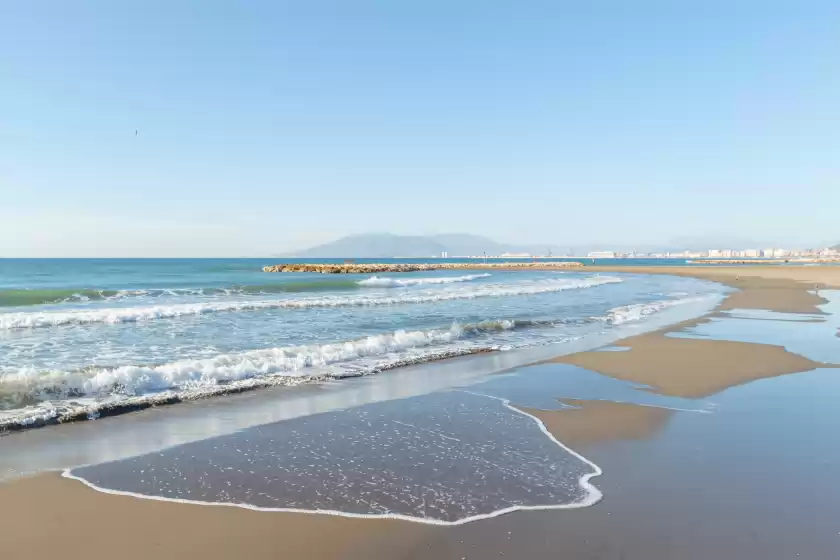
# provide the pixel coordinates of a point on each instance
(386, 245)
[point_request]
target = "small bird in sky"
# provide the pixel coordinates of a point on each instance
(136, 132)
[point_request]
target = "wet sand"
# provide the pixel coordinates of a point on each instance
(697, 368)
(670, 490)
(691, 368)
(47, 516)
(593, 422)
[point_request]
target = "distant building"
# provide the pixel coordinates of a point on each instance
(518, 255)
(693, 254)
(751, 253)
(601, 255)
(444, 254)
(713, 253)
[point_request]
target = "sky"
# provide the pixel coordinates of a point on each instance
(209, 128)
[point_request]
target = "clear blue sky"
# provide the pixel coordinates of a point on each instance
(267, 126)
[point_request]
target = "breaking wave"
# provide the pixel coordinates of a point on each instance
(387, 282)
(31, 396)
(116, 315)
(638, 311)
(340, 359)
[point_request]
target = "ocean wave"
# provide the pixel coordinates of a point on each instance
(387, 282)
(638, 311)
(23, 297)
(277, 288)
(31, 397)
(119, 315)
(366, 355)
(49, 412)
(15, 297)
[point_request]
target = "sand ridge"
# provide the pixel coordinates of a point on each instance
(691, 368)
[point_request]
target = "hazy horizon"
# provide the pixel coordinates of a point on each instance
(534, 248)
(156, 129)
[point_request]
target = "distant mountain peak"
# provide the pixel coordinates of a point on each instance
(387, 245)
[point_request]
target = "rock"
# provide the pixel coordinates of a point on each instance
(378, 268)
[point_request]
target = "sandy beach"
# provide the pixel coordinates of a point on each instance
(777, 288)
(669, 491)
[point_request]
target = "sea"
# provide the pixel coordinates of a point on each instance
(83, 336)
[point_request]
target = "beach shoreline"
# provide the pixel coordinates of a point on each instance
(605, 531)
(68, 412)
(786, 289)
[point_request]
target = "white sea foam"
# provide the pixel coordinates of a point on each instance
(387, 282)
(116, 315)
(592, 494)
(638, 311)
(361, 356)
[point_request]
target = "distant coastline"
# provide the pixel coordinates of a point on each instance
(776, 260)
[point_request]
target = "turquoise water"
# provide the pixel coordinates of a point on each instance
(42, 281)
(81, 334)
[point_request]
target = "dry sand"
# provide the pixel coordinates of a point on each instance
(50, 517)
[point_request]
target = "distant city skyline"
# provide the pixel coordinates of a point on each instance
(771, 253)
(161, 129)
(460, 245)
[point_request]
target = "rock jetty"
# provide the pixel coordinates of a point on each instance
(378, 268)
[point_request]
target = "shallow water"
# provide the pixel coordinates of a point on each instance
(446, 457)
(154, 430)
(462, 454)
(812, 336)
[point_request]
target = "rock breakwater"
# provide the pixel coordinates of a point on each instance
(377, 268)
